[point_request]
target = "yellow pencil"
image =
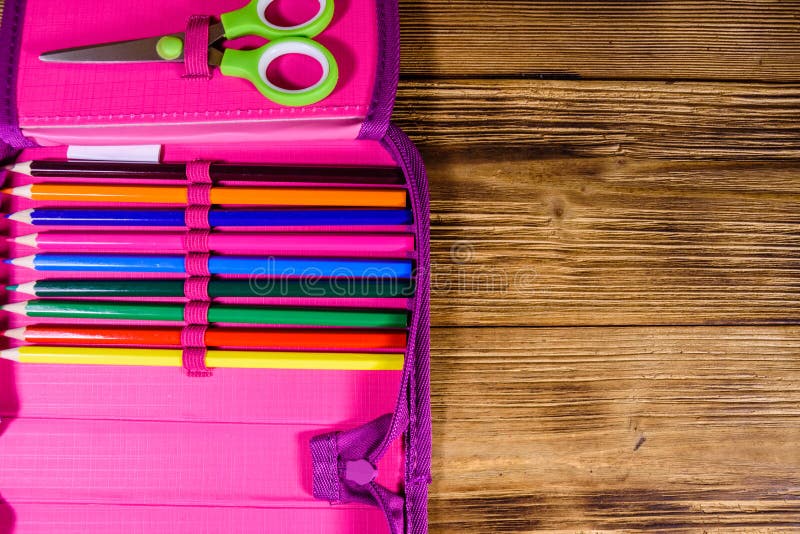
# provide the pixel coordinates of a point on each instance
(345, 361)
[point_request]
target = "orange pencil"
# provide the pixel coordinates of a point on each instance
(245, 196)
(301, 339)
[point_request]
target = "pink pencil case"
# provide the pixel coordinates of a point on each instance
(101, 449)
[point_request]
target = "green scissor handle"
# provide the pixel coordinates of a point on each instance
(252, 20)
(252, 66)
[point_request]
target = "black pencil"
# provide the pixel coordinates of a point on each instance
(379, 175)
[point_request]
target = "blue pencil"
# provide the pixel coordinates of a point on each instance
(250, 265)
(216, 217)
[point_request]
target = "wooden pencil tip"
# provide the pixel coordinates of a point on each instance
(28, 240)
(21, 167)
(24, 216)
(24, 191)
(16, 307)
(27, 288)
(10, 354)
(15, 333)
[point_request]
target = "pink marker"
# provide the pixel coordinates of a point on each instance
(299, 244)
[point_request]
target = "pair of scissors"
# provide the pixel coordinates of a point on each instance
(250, 65)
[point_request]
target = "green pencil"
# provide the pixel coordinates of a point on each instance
(323, 288)
(218, 313)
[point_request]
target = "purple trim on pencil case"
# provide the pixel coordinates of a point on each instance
(417, 390)
(11, 138)
(387, 72)
(412, 415)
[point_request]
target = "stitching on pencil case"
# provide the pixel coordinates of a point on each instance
(195, 48)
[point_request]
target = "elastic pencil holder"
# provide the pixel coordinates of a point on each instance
(250, 450)
(195, 243)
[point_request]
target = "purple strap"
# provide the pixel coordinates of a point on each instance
(336, 478)
(195, 48)
(387, 74)
(344, 469)
(414, 401)
(11, 138)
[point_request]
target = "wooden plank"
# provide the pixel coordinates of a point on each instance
(519, 241)
(616, 429)
(643, 119)
(664, 39)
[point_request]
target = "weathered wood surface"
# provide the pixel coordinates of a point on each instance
(690, 429)
(519, 241)
(607, 417)
(602, 118)
(654, 39)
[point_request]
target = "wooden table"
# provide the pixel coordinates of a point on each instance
(616, 243)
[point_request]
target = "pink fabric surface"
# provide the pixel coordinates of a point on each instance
(38, 518)
(171, 463)
(110, 449)
(151, 101)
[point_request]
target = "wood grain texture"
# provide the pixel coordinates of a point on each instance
(655, 39)
(616, 429)
(518, 241)
(638, 119)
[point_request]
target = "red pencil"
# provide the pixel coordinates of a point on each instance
(300, 339)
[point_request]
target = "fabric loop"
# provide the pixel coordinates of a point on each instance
(194, 335)
(196, 288)
(196, 240)
(196, 312)
(195, 48)
(196, 217)
(197, 264)
(198, 194)
(194, 362)
(198, 172)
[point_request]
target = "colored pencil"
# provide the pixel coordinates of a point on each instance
(216, 217)
(214, 358)
(250, 265)
(301, 244)
(218, 171)
(261, 338)
(317, 288)
(218, 313)
(244, 196)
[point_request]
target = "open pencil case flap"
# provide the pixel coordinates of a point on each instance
(95, 449)
(167, 102)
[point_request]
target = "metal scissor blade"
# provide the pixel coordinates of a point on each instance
(133, 51)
